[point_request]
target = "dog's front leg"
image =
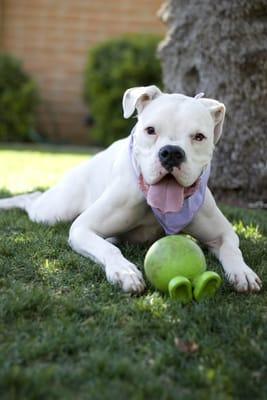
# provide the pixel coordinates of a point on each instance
(107, 217)
(239, 274)
(212, 228)
(117, 268)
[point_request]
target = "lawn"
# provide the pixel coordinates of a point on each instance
(65, 333)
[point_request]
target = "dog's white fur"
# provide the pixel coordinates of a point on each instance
(103, 199)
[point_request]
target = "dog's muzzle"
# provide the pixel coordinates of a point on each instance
(171, 156)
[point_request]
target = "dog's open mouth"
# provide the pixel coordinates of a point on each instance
(168, 195)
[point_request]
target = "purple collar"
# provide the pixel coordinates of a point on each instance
(174, 222)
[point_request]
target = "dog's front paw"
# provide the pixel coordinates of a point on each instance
(244, 279)
(127, 276)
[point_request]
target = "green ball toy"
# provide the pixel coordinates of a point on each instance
(176, 265)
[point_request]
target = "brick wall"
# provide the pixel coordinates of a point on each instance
(53, 37)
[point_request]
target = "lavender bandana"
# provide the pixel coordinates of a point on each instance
(174, 222)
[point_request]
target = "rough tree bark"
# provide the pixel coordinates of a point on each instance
(220, 48)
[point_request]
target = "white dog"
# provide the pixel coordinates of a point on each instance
(154, 180)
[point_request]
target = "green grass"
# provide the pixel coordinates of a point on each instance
(65, 333)
(26, 168)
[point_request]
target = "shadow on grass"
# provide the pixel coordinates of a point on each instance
(4, 193)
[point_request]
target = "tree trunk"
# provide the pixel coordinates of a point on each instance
(220, 48)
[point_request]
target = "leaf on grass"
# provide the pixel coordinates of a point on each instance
(186, 346)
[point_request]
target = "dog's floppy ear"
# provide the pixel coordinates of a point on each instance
(217, 111)
(138, 98)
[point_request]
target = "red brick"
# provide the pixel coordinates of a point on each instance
(52, 38)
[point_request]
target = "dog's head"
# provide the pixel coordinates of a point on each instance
(175, 134)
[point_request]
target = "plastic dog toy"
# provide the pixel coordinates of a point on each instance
(177, 265)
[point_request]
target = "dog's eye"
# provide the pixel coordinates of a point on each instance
(150, 130)
(199, 137)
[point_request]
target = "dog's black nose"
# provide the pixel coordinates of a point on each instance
(171, 156)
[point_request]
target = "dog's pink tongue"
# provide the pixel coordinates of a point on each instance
(166, 195)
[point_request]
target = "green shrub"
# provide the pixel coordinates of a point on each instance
(18, 101)
(113, 67)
